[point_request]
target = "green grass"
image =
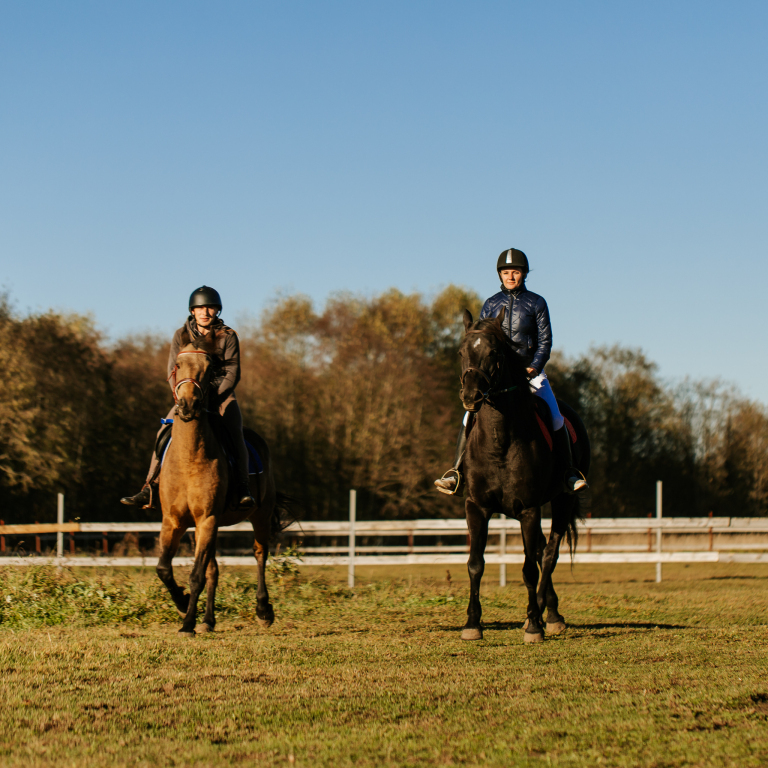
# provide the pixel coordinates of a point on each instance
(674, 674)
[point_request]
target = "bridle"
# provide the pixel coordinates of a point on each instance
(189, 381)
(489, 393)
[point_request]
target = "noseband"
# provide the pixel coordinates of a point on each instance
(189, 381)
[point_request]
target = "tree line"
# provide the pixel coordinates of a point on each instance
(363, 394)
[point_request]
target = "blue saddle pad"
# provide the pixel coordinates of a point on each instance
(255, 465)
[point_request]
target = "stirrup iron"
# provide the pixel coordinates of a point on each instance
(580, 482)
(456, 488)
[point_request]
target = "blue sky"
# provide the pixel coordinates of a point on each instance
(315, 147)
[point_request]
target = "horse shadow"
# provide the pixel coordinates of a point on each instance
(616, 625)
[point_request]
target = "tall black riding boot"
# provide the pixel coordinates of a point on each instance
(145, 498)
(243, 494)
(450, 482)
(572, 479)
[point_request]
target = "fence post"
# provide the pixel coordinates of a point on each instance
(352, 517)
(60, 521)
(658, 529)
(502, 552)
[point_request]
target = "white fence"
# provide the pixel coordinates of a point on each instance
(642, 540)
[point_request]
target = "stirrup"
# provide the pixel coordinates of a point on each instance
(456, 487)
(146, 494)
(579, 483)
(243, 494)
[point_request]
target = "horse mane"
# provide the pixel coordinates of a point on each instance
(206, 344)
(493, 327)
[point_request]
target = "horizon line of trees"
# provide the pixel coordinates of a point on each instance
(360, 394)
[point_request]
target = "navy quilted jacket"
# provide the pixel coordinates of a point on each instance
(526, 323)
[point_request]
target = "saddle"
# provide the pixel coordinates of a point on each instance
(255, 464)
(544, 419)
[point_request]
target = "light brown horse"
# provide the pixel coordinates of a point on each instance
(193, 492)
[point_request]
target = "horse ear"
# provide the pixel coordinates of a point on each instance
(467, 320)
(500, 316)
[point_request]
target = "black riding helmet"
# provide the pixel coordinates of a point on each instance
(512, 259)
(205, 297)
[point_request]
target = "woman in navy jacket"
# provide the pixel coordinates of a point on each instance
(526, 323)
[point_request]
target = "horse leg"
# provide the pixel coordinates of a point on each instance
(264, 611)
(211, 581)
(170, 538)
(561, 508)
(546, 594)
(478, 536)
(539, 557)
(205, 551)
(530, 525)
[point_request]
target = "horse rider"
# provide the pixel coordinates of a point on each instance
(204, 308)
(526, 323)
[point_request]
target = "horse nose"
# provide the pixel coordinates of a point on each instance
(473, 404)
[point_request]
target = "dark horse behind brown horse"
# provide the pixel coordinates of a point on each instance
(511, 469)
(193, 493)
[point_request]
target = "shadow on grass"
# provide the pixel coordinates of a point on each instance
(517, 625)
(735, 578)
(628, 625)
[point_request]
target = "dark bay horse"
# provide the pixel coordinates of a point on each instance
(511, 469)
(193, 493)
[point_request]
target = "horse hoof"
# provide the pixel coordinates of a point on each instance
(533, 638)
(182, 633)
(555, 628)
(201, 629)
(265, 622)
(472, 633)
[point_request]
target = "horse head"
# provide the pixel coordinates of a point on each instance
(488, 362)
(195, 365)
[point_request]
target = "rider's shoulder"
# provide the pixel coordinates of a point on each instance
(222, 328)
(182, 336)
(494, 302)
(535, 298)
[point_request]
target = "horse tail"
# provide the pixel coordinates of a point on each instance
(285, 513)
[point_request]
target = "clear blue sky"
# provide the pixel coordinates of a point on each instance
(149, 147)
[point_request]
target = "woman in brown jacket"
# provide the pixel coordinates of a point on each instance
(204, 308)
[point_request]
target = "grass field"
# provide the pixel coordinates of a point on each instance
(674, 674)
